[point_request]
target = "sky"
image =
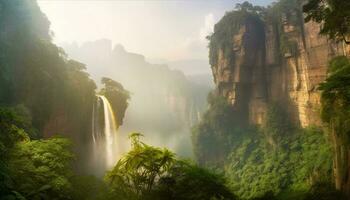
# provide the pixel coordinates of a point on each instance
(168, 30)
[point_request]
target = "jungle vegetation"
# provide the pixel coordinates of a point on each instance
(278, 160)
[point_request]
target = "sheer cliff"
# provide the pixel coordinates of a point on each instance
(271, 59)
(267, 65)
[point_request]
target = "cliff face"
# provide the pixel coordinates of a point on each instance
(261, 73)
(276, 59)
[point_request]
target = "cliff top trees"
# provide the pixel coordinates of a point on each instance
(228, 26)
(248, 7)
(118, 97)
(334, 16)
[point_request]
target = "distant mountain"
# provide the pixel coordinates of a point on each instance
(202, 79)
(191, 67)
(164, 103)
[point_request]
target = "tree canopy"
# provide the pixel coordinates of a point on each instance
(117, 96)
(334, 16)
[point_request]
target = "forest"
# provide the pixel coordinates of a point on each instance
(59, 135)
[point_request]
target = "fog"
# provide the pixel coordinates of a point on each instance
(156, 49)
(164, 103)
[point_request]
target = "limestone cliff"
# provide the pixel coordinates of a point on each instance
(259, 70)
(270, 56)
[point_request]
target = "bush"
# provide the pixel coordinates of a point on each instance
(148, 172)
(255, 168)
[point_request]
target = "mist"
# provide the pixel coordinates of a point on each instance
(165, 103)
(195, 100)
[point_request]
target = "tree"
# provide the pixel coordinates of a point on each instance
(248, 7)
(111, 84)
(324, 191)
(335, 97)
(277, 125)
(10, 133)
(117, 96)
(40, 169)
(36, 73)
(147, 172)
(335, 113)
(31, 169)
(219, 127)
(11, 130)
(135, 175)
(334, 16)
(187, 181)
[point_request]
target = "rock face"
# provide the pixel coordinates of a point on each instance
(277, 60)
(261, 73)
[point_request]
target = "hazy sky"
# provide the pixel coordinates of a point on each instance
(160, 30)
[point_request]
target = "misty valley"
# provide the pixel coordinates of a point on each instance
(175, 100)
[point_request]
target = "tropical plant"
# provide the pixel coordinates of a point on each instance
(147, 172)
(135, 175)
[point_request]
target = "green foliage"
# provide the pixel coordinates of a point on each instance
(276, 161)
(277, 125)
(254, 168)
(323, 191)
(78, 97)
(118, 96)
(148, 172)
(335, 112)
(53, 93)
(31, 169)
(88, 188)
(228, 26)
(135, 174)
(36, 73)
(41, 168)
(203, 184)
(267, 196)
(335, 97)
(11, 130)
(282, 13)
(10, 134)
(248, 7)
(334, 15)
(279, 161)
(286, 11)
(217, 128)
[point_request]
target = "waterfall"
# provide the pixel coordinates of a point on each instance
(104, 134)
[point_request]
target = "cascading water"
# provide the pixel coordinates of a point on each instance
(104, 134)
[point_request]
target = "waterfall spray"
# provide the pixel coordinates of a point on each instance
(104, 133)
